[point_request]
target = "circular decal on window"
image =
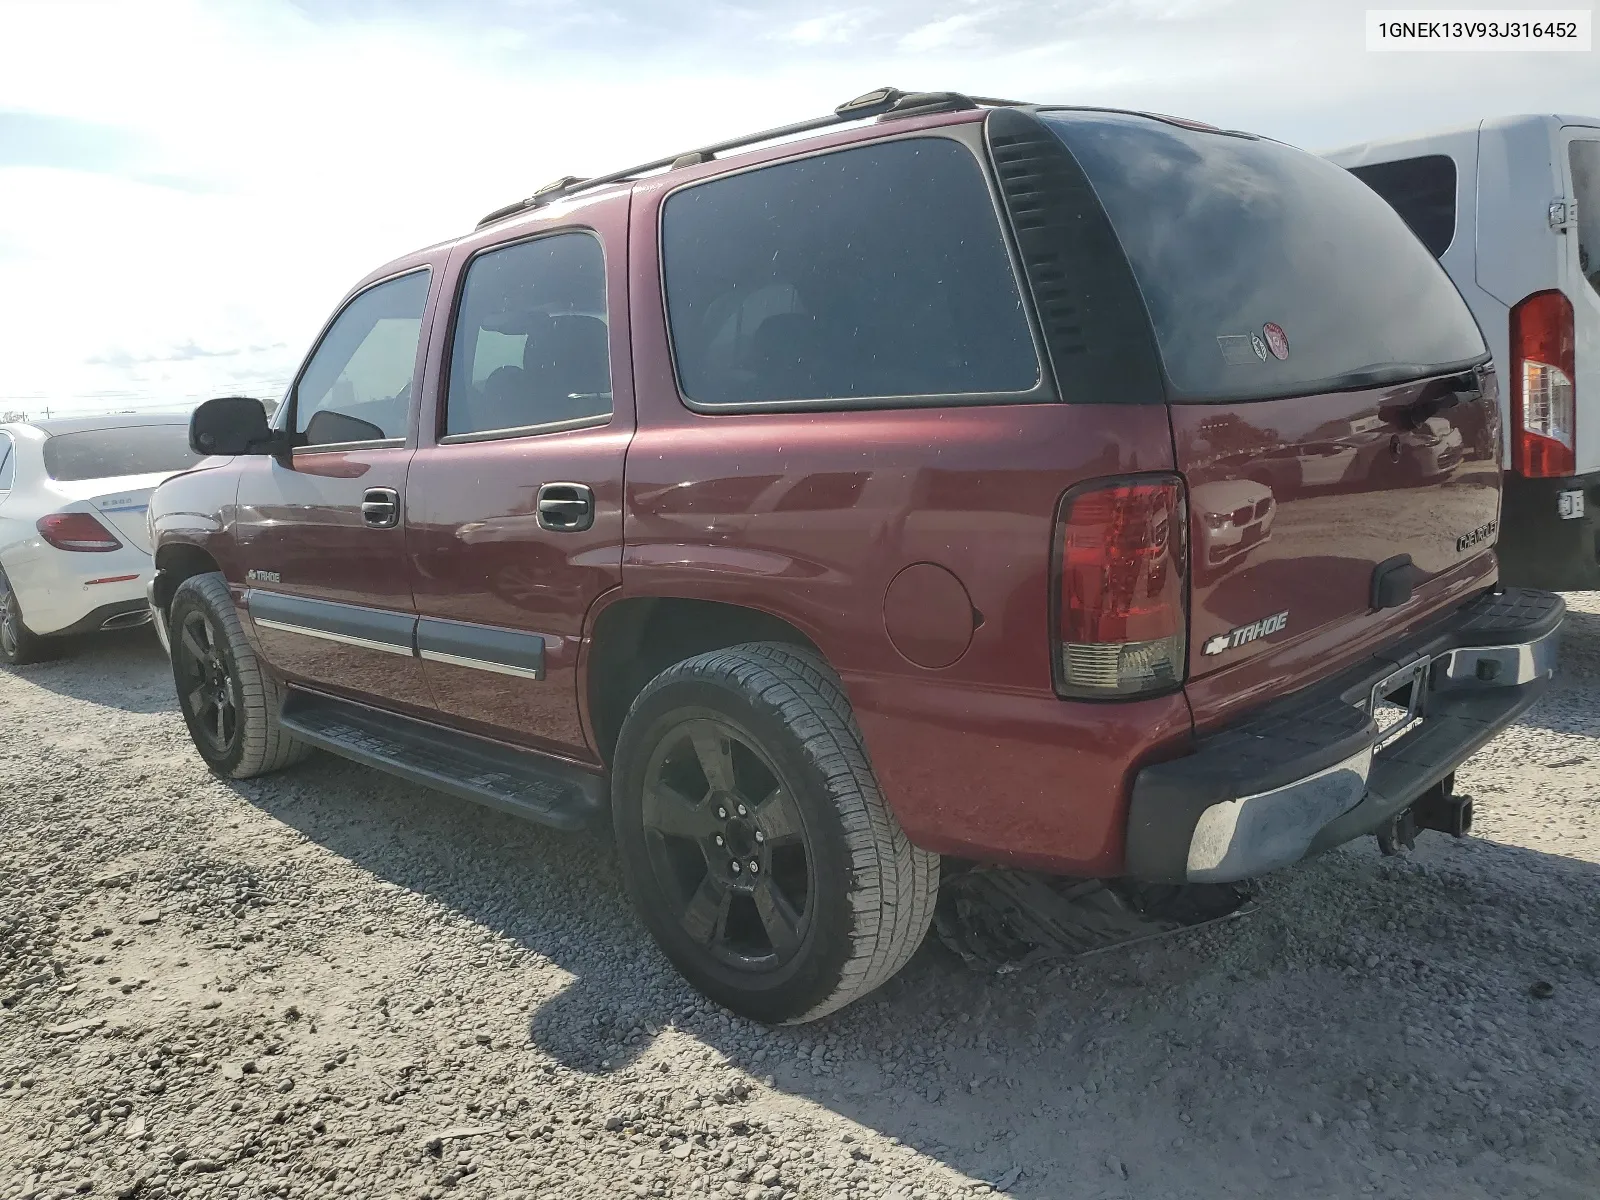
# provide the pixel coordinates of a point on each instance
(1277, 340)
(1258, 346)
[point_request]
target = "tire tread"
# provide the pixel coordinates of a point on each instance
(895, 883)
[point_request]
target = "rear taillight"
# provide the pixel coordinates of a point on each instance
(1120, 618)
(1544, 408)
(77, 531)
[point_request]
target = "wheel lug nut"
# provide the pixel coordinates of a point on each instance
(755, 867)
(719, 839)
(742, 812)
(735, 866)
(722, 813)
(760, 837)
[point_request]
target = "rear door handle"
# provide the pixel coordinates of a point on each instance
(380, 507)
(565, 507)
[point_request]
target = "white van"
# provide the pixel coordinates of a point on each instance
(1511, 208)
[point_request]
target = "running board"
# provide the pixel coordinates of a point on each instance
(523, 783)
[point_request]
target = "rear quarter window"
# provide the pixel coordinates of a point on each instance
(126, 450)
(1266, 271)
(873, 273)
(1423, 191)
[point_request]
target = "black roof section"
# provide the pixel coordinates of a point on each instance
(885, 103)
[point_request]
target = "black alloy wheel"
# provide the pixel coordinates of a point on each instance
(207, 685)
(727, 843)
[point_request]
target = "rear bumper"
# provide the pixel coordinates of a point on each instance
(1313, 771)
(62, 594)
(1537, 546)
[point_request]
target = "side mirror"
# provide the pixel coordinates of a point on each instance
(231, 425)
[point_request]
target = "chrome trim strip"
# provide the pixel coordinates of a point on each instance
(479, 664)
(1255, 834)
(343, 638)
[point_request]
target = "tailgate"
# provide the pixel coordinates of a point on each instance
(1296, 503)
(1333, 413)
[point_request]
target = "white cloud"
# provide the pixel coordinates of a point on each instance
(304, 150)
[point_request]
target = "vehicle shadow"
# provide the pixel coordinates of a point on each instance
(1398, 1026)
(1205, 1064)
(122, 669)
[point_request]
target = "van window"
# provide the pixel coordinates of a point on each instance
(8, 468)
(1423, 191)
(1267, 271)
(357, 386)
(878, 271)
(1585, 154)
(531, 343)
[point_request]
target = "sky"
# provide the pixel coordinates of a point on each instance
(187, 189)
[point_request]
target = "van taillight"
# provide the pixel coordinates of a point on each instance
(77, 531)
(1120, 617)
(1544, 408)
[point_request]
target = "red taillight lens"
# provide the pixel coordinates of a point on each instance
(77, 531)
(1544, 405)
(1121, 623)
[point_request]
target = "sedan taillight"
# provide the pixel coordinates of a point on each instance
(77, 531)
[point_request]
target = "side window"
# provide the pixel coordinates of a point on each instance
(8, 468)
(531, 343)
(1423, 191)
(878, 271)
(357, 386)
(1585, 156)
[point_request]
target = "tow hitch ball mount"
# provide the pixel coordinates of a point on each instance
(1437, 808)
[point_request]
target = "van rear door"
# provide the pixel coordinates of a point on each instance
(1581, 282)
(1333, 413)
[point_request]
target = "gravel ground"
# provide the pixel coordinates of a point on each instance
(327, 983)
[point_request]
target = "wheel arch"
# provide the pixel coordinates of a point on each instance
(634, 638)
(175, 562)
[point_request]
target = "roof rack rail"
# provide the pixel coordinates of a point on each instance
(884, 103)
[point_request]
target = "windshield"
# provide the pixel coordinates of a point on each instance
(124, 450)
(1267, 271)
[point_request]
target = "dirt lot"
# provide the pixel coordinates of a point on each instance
(326, 983)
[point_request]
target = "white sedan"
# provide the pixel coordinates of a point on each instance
(74, 551)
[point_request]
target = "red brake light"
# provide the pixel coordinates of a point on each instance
(77, 531)
(1544, 404)
(1121, 623)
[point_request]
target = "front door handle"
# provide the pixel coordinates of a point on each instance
(380, 507)
(565, 507)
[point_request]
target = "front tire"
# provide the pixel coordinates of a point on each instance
(228, 701)
(755, 844)
(19, 646)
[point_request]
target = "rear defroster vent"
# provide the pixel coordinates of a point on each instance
(1090, 310)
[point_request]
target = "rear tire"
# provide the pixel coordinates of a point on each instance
(229, 702)
(755, 844)
(19, 646)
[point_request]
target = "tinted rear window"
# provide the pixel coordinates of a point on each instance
(878, 271)
(1267, 271)
(127, 450)
(1423, 191)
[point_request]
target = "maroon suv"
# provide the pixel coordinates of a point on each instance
(1080, 491)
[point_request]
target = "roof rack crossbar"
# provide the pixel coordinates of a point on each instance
(875, 103)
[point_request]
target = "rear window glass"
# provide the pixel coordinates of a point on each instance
(878, 271)
(124, 450)
(1267, 271)
(1423, 191)
(1585, 156)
